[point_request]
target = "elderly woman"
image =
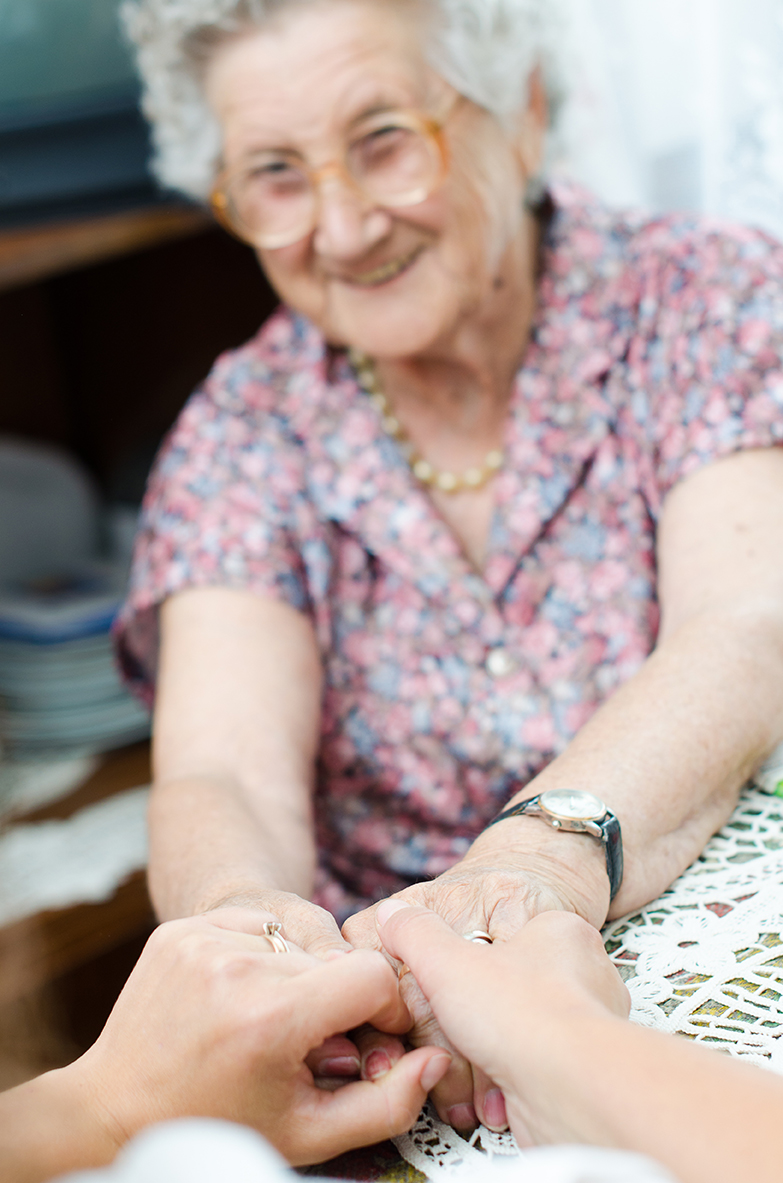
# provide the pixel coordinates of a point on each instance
(488, 513)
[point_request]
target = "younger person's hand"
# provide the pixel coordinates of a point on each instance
(213, 1023)
(505, 1006)
(509, 876)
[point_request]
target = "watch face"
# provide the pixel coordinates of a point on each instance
(572, 804)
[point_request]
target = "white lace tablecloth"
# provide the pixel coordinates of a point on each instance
(705, 961)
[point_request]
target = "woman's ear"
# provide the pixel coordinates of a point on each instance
(532, 125)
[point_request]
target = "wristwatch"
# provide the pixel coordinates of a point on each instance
(576, 812)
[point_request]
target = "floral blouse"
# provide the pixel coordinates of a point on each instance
(656, 348)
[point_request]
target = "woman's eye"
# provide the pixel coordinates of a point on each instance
(384, 137)
(275, 179)
(271, 170)
(382, 144)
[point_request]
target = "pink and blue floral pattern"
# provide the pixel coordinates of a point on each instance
(656, 348)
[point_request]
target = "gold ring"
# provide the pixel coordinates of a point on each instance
(478, 937)
(274, 934)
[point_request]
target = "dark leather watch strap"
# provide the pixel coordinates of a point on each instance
(518, 810)
(613, 845)
(612, 840)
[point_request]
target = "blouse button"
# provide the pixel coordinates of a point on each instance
(499, 663)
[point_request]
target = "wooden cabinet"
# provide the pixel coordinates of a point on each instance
(107, 325)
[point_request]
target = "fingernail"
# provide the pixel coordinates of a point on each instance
(375, 1065)
(387, 909)
(495, 1111)
(340, 1066)
(462, 1117)
(436, 1069)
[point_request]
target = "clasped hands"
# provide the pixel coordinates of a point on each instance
(495, 888)
(212, 1022)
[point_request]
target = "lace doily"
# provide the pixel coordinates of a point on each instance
(704, 961)
(83, 859)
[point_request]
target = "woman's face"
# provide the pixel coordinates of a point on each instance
(392, 283)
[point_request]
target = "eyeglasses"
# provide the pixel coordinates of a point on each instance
(271, 199)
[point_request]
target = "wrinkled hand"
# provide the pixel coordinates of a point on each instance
(313, 930)
(305, 925)
(504, 1006)
(496, 888)
(213, 1023)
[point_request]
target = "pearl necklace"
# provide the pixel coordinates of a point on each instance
(448, 482)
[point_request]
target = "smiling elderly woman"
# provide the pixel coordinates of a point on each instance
(490, 509)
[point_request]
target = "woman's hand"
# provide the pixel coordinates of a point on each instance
(213, 1023)
(503, 1007)
(312, 930)
(512, 873)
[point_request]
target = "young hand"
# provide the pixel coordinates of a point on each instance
(213, 1023)
(497, 888)
(505, 1007)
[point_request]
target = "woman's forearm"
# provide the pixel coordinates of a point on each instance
(210, 845)
(50, 1126)
(670, 750)
(605, 1081)
(237, 724)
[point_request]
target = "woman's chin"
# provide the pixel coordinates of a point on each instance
(397, 330)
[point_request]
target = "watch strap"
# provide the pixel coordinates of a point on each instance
(613, 847)
(521, 809)
(611, 837)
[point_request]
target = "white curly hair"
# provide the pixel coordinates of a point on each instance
(486, 49)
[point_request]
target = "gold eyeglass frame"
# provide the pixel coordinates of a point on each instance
(432, 129)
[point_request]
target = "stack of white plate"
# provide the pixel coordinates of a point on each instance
(59, 687)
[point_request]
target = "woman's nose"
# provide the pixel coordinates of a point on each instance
(347, 224)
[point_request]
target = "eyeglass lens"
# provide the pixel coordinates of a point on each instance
(393, 164)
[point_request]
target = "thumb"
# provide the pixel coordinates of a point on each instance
(366, 1112)
(424, 941)
(345, 993)
(456, 977)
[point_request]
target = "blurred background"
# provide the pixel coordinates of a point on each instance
(678, 104)
(114, 300)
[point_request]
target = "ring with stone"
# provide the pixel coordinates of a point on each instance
(274, 934)
(478, 937)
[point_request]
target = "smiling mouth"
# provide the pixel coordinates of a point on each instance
(386, 272)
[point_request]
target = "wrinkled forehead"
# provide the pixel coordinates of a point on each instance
(316, 68)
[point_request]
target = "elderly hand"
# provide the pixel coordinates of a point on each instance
(513, 872)
(213, 1023)
(503, 1006)
(313, 930)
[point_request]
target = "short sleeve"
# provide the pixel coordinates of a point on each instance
(219, 511)
(706, 370)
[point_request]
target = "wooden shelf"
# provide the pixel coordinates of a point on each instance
(40, 252)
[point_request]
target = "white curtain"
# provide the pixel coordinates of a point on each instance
(677, 104)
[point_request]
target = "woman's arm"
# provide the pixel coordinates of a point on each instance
(543, 1016)
(236, 732)
(668, 753)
